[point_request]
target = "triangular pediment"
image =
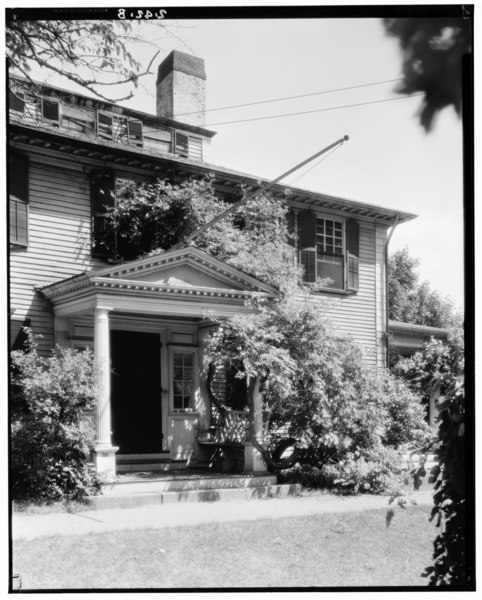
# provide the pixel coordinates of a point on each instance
(186, 268)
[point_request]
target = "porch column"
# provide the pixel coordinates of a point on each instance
(253, 460)
(104, 451)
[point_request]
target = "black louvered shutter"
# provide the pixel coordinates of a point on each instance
(50, 110)
(134, 132)
(18, 198)
(307, 244)
(16, 101)
(104, 125)
(103, 197)
(18, 335)
(290, 225)
(353, 254)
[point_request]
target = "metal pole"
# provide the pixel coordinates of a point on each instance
(262, 189)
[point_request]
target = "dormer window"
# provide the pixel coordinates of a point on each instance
(51, 111)
(188, 146)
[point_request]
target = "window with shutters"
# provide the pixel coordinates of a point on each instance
(18, 183)
(188, 146)
(328, 250)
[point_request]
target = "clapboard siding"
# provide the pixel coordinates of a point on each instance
(356, 315)
(59, 242)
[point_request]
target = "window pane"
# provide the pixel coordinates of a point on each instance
(330, 267)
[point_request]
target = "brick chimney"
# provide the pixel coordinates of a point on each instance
(181, 88)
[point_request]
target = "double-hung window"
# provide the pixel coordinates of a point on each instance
(328, 250)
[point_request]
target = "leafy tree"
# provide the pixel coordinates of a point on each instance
(412, 302)
(94, 54)
(152, 217)
(50, 436)
(432, 61)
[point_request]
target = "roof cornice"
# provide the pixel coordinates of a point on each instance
(70, 143)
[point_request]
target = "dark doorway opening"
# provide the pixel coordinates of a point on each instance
(136, 392)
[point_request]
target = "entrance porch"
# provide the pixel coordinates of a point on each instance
(148, 322)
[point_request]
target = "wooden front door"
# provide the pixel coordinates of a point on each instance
(136, 396)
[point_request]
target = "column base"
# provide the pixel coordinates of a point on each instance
(253, 459)
(104, 461)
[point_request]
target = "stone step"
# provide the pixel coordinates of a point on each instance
(137, 484)
(132, 500)
(134, 465)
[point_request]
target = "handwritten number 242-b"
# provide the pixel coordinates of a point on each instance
(121, 14)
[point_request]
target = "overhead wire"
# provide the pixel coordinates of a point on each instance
(318, 162)
(307, 112)
(351, 87)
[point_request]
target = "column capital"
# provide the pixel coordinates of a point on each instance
(99, 309)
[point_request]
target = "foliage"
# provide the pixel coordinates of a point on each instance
(412, 302)
(441, 365)
(432, 61)
(450, 547)
(375, 471)
(93, 54)
(317, 388)
(151, 217)
(50, 438)
(435, 365)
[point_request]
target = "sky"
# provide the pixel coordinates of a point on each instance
(389, 159)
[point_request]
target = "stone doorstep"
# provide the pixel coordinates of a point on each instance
(186, 483)
(194, 495)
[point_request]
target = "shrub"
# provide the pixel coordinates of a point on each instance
(377, 471)
(50, 436)
(318, 389)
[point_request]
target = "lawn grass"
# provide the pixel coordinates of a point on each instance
(326, 550)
